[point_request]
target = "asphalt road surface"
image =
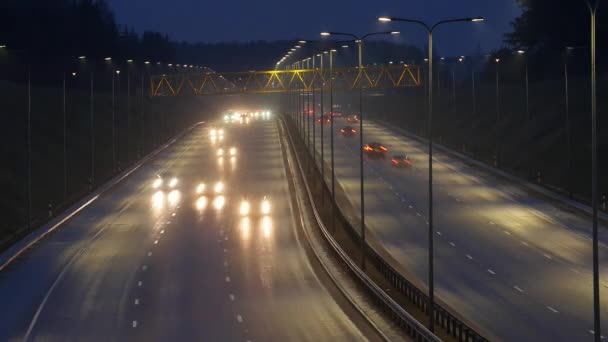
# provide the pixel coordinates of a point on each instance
(171, 264)
(514, 263)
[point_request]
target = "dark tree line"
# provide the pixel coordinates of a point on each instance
(546, 28)
(43, 29)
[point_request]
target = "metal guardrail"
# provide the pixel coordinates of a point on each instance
(413, 328)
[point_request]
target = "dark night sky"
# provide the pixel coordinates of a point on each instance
(244, 20)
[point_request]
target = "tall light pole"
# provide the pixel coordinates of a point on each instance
(594, 195)
(331, 128)
(322, 113)
(359, 41)
(430, 30)
(498, 144)
(522, 53)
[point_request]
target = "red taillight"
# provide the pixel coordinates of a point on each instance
(395, 161)
(383, 148)
(408, 162)
(342, 130)
(354, 131)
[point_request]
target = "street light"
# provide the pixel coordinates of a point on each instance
(359, 41)
(522, 53)
(593, 5)
(430, 29)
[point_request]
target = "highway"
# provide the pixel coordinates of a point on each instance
(173, 264)
(510, 261)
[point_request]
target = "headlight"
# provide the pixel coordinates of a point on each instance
(173, 182)
(200, 188)
(244, 208)
(213, 132)
(219, 187)
(265, 206)
(232, 151)
(157, 183)
(220, 131)
(220, 152)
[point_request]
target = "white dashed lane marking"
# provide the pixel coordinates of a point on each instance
(227, 279)
(491, 272)
(518, 288)
(469, 257)
(140, 283)
(134, 324)
(552, 309)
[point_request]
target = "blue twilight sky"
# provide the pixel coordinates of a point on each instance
(244, 20)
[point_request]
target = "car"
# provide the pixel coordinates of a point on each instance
(401, 160)
(325, 118)
(336, 114)
(347, 131)
(165, 181)
(245, 208)
(352, 119)
(375, 149)
(226, 151)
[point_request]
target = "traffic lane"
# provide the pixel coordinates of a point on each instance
(26, 281)
(565, 233)
(179, 289)
(517, 226)
(476, 294)
(276, 291)
(375, 206)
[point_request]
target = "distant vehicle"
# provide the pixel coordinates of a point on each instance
(245, 207)
(347, 131)
(375, 149)
(165, 181)
(336, 114)
(326, 118)
(401, 160)
(352, 119)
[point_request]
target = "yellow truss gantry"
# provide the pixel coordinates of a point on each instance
(280, 81)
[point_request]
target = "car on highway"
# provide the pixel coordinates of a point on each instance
(352, 119)
(226, 151)
(347, 131)
(326, 118)
(216, 188)
(375, 149)
(245, 208)
(165, 181)
(401, 160)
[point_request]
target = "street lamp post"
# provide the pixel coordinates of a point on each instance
(359, 42)
(430, 30)
(331, 123)
(498, 144)
(314, 105)
(594, 193)
(65, 140)
(522, 52)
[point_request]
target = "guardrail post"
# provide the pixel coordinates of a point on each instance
(50, 210)
(538, 177)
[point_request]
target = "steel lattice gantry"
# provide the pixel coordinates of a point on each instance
(277, 81)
